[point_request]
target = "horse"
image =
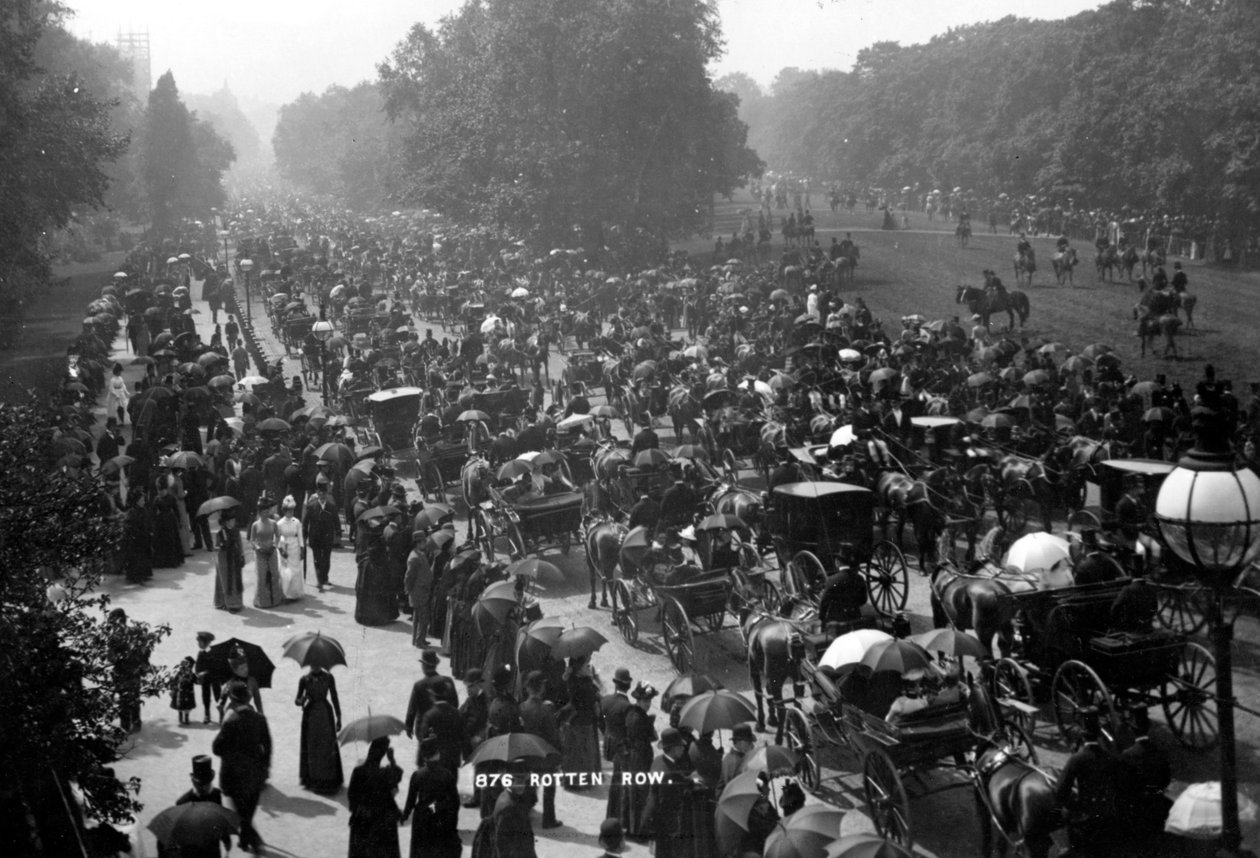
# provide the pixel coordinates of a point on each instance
(972, 601)
(775, 646)
(474, 479)
(1107, 263)
(1039, 480)
(963, 233)
(913, 501)
(743, 503)
(1063, 264)
(1187, 302)
(683, 410)
(1151, 326)
(1153, 258)
(984, 305)
(1128, 261)
(1025, 265)
(602, 538)
(1019, 797)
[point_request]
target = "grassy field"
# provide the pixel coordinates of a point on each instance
(917, 270)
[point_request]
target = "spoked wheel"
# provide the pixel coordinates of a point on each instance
(714, 622)
(886, 801)
(771, 596)
(1189, 699)
(1021, 744)
(730, 467)
(1010, 682)
(741, 594)
(887, 579)
(803, 570)
(801, 741)
(1083, 519)
(1181, 608)
(623, 610)
(516, 541)
(1075, 687)
(487, 535)
(434, 487)
(676, 630)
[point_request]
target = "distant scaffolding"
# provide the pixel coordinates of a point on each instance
(135, 49)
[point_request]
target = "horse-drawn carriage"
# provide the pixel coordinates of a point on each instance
(391, 417)
(689, 597)
(583, 367)
(1079, 646)
(819, 526)
(357, 321)
(529, 525)
(504, 407)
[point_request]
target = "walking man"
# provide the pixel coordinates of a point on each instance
(321, 526)
(419, 587)
(244, 745)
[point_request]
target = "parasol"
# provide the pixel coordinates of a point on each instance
(194, 826)
(899, 656)
(851, 647)
(260, 666)
(313, 649)
(806, 833)
(370, 728)
(510, 747)
(716, 710)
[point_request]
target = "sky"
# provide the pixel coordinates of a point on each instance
(274, 50)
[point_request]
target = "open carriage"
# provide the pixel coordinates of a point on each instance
(583, 367)
(528, 526)
(818, 526)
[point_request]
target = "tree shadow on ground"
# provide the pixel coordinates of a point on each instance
(156, 737)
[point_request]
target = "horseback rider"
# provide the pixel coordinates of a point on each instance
(993, 285)
(1024, 248)
(1062, 244)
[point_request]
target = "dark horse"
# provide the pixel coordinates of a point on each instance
(602, 538)
(972, 601)
(919, 502)
(984, 305)
(1019, 797)
(776, 645)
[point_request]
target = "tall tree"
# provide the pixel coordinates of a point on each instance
(550, 116)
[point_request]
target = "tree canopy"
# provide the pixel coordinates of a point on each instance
(547, 117)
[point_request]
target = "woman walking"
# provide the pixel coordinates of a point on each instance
(319, 766)
(137, 540)
(263, 536)
(373, 813)
(376, 603)
(640, 734)
(168, 544)
(118, 397)
(229, 588)
(579, 741)
(292, 550)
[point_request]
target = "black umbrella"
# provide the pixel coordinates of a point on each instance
(194, 825)
(314, 649)
(260, 666)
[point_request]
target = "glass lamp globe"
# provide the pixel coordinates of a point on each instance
(1209, 515)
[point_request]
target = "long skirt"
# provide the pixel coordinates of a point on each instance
(579, 745)
(375, 604)
(291, 581)
(229, 588)
(319, 765)
(634, 798)
(267, 589)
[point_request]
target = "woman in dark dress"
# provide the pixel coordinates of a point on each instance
(168, 544)
(376, 603)
(640, 736)
(137, 541)
(579, 741)
(373, 812)
(319, 766)
(229, 584)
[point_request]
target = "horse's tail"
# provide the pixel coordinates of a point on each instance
(1023, 307)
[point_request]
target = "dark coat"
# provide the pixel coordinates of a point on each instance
(507, 832)
(645, 439)
(645, 513)
(423, 693)
(244, 745)
(504, 715)
(678, 505)
(444, 723)
(434, 797)
(612, 710)
(320, 522)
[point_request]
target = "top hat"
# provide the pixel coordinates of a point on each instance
(430, 658)
(240, 694)
(502, 675)
(742, 732)
(611, 835)
(429, 746)
(621, 676)
(472, 675)
(672, 738)
(202, 769)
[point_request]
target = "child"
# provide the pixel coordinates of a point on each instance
(184, 690)
(210, 685)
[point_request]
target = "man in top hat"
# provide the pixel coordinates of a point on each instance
(203, 789)
(578, 403)
(321, 528)
(742, 742)
(1148, 774)
(1088, 788)
(538, 716)
(612, 839)
(612, 713)
(443, 723)
(504, 713)
(244, 745)
(430, 687)
(645, 439)
(434, 797)
(669, 807)
(475, 710)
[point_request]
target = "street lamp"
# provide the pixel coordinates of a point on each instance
(247, 265)
(323, 331)
(223, 234)
(1208, 512)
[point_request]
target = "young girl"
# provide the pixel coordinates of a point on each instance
(184, 690)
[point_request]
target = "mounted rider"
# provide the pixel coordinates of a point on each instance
(993, 285)
(1025, 249)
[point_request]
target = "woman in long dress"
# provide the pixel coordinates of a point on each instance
(374, 814)
(168, 545)
(118, 397)
(640, 734)
(291, 550)
(229, 588)
(319, 766)
(137, 542)
(579, 741)
(376, 603)
(263, 536)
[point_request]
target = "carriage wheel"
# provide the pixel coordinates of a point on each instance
(741, 594)
(803, 571)
(886, 801)
(1010, 682)
(623, 610)
(1076, 686)
(487, 535)
(434, 486)
(887, 579)
(1189, 699)
(1083, 519)
(800, 740)
(730, 467)
(516, 541)
(1013, 512)
(1181, 608)
(771, 596)
(676, 630)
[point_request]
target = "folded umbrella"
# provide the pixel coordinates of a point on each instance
(312, 649)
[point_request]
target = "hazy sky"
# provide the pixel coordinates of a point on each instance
(273, 50)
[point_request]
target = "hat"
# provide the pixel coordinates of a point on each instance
(429, 746)
(535, 678)
(611, 835)
(202, 769)
(472, 675)
(240, 694)
(914, 675)
(643, 692)
(430, 658)
(1091, 725)
(671, 738)
(205, 636)
(502, 675)
(265, 502)
(743, 732)
(621, 676)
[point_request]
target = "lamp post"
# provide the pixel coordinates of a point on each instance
(1208, 512)
(247, 265)
(223, 234)
(323, 330)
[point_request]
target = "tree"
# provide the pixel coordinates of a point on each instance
(182, 160)
(55, 136)
(59, 711)
(543, 117)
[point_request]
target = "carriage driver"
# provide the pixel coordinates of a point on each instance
(672, 562)
(841, 597)
(1132, 516)
(1088, 790)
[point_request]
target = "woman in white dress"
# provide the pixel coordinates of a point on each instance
(118, 396)
(289, 529)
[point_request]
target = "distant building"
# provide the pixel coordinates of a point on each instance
(134, 48)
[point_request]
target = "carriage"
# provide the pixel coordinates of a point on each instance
(528, 526)
(439, 463)
(691, 600)
(357, 322)
(643, 405)
(939, 738)
(818, 526)
(1069, 647)
(503, 406)
(391, 416)
(584, 367)
(294, 331)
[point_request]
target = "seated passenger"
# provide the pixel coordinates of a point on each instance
(554, 482)
(911, 699)
(952, 689)
(521, 490)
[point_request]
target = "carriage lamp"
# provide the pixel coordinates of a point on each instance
(247, 265)
(1208, 513)
(323, 331)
